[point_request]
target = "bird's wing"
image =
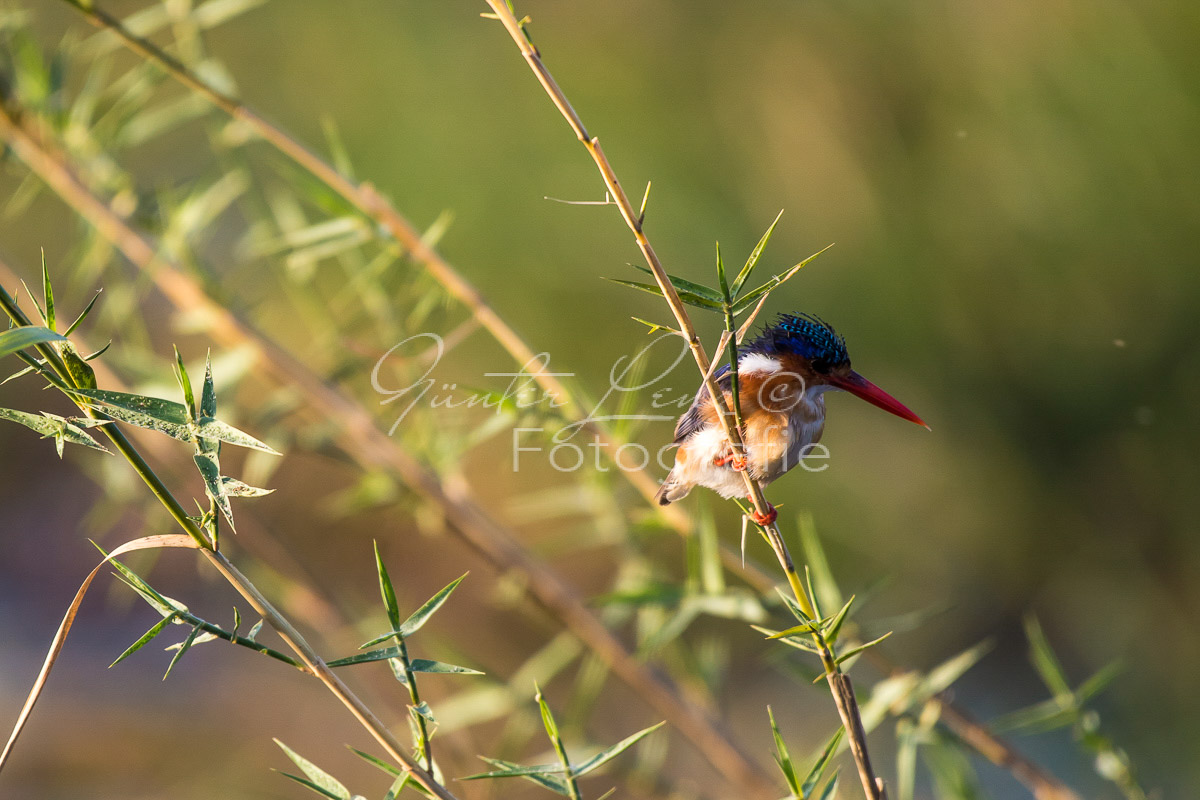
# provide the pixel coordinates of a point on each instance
(692, 419)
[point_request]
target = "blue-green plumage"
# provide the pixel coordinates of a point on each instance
(805, 335)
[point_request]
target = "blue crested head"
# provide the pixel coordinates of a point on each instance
(807, 336)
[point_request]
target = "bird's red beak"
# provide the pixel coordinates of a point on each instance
(859, 386)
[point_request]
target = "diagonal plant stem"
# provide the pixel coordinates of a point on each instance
(370, 202)
(310, 658)
(372, 449)
(839, 683)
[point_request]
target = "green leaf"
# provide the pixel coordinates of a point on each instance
(907, 740)
(145, 639)
(422, 614)
(47, 293)
(826, 585)
(215, 429)
(783, 758)
(321, 781)
(185, 383)
(83, 314)
(834, 628)
(167, 417)
(377, 762)
(59, 428)
(724, 283)
(793, 641)
(313, 786)
(27, 336)
(183, 648)
(852, 652)
(208, 395)
(1044, 660)
(653, 326)
(830, 790)
(389, 595)
(798, 630)
(214, 487)
(608, 754)
(416, 665)
(1047, 715)
(684, 285)
(1097, 683)
(748, 300)
(543, 775)
(397, 786)
(942, 676)
(740, 280)
(822, 763)
(690, 298)
(235, 488)
(547, 716)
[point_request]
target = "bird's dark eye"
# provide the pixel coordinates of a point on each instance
(820, 365)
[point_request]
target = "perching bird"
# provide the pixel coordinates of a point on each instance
(782, 377)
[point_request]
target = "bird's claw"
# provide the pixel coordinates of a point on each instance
(764, 519)
(736, 461)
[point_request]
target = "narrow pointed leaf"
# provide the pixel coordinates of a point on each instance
(215, 429)
(755, 254)
(684, 285)
(214, 487)
(608, 754)
(543, 776)
(440, 667)
(422, 614)
(322, 781)
(185, 384)
(20, 338)
(852, 652)
(235, 488)
(145, 639)
(690, 298)
(183, 648)
(834, 628)
(830, 790)
(388, 592)
(747, 300)
(376, 762)
(52, 425)
(321, 790)
(208, 395)
(1044, 660)
(783, 758)
(48, 294)
(654, 327)
(822, 763)
(1097, 683)
(793, 641)
(721, 279)
(83, 314)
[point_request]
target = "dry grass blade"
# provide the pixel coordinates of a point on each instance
(60, 636)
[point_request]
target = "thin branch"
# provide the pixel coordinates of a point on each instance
(311, 659)
(840, 685)
(372, 449)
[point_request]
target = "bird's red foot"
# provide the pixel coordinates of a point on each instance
(764, 519)
(734, 460)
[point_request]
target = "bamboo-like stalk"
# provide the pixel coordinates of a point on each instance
(372, 449)
(258, 601)
(367, 200)
(839, 683)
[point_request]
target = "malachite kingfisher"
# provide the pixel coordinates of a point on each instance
(782, 379)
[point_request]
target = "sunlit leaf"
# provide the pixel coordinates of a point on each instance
(755, 254)
(27, 336)
(608, 754)
(320, 780)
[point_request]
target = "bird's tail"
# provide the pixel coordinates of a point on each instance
(672, 489)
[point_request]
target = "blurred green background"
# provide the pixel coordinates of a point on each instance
(1014, 194)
